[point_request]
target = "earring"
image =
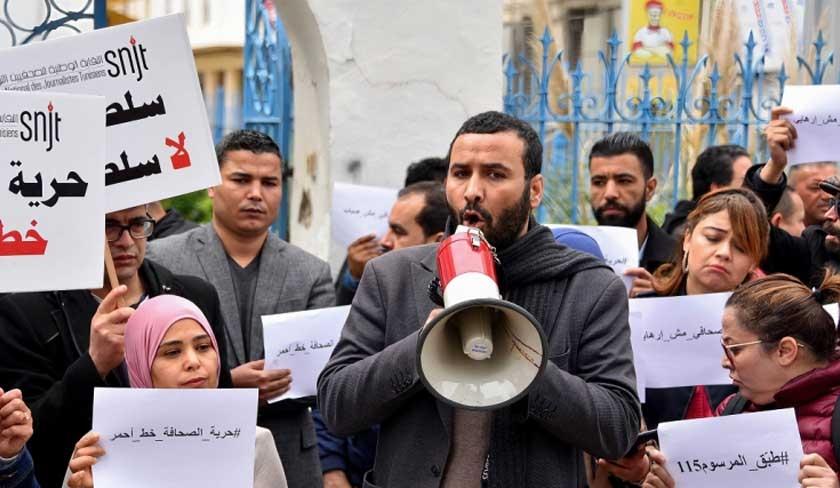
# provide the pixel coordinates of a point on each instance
(685, 262)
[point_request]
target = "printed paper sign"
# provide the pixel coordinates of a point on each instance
(303, 343)
(158, 139)
(175, 438)
(816, 116)
(52, 196)
(359, 210)
(619, 245)
(749, 449)
(678, 330)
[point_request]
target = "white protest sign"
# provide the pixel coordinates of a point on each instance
(175, 438)
(678, 330)
(816, 116)
(302, 342)
(358, 210)
(750, 449)
(158, 139)
(619, 245)
(52, 196)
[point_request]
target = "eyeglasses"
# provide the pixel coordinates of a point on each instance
(138, 229)
(732, 349)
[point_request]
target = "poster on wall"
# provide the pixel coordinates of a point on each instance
(773, 25)
(655, 29)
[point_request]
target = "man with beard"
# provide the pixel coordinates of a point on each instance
(805, 257)
(805, 180)
(585, 399)
(621, 182)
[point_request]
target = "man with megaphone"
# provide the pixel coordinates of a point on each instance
(528, 365)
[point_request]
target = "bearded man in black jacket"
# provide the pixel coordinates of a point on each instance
(58, 346)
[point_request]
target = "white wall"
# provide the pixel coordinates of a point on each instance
(394, 81)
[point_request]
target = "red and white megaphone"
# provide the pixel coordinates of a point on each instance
(481, 352)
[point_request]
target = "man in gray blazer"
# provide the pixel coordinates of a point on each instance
(585, 399)
(256, 273)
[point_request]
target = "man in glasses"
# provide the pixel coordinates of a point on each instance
(804, 257)
(58, 346)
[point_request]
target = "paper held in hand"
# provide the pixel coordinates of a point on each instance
(158, 141)
(302, 342)
(175, 438)
(52, 193)
(749, 449)
(816, 116)
(682, 330)
(359, 210)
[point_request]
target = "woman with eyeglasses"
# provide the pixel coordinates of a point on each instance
(780, 347)
(725, 239)
(170, 344)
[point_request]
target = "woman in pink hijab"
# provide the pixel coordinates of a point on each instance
(170, 344)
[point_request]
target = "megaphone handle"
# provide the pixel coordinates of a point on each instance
(434, 292)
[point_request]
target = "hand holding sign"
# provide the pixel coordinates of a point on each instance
(271, 382)
(107, 332)
(814, 472)
(85, 455)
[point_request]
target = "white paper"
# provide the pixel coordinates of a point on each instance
(302, 342)
(619, 245)
(749, 449)
(816, 116)
(358, 210)
(684, 331)
(175, 438)
(151, 63)
(52, 193)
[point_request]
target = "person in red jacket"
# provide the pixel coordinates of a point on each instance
(780, 346)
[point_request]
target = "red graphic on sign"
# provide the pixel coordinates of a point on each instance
(181, 158)
(133, 41)
(12, 243)
(50, 107)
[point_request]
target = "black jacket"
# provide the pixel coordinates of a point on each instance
(659, 248)
(45, 338)
(172, 223)
(803, 257)
(675, 220)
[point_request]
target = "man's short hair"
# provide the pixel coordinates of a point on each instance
(794, 170)
(246, 140)
(493, 122)
(428, 169)
(619, 143)
(714, 166)
(785, 205)
(432, 218)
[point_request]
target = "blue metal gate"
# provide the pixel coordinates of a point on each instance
(267, 87)
(56, 16)
(569, 123)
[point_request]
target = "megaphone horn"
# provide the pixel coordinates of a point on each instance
(480, 352)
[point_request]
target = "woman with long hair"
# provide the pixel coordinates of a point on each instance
(169, 344)
(725, 239)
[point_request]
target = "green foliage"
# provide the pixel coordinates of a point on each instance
(195, 206)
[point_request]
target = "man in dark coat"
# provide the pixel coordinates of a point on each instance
(808, 256)
(585, 399)
(716, 167)
(168, 222)
(621, 183)
(58, 346)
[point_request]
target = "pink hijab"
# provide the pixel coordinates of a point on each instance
(145, 331)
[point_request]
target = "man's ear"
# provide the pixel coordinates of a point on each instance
(650, 188)
(537, 186)
(776, 219)
(436, 237)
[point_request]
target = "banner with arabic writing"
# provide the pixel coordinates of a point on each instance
(158, 139)
(52, 194)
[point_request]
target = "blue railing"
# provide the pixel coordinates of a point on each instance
(56, 16)
(568, 123)
(267, 103)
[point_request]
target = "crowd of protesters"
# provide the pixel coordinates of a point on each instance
(186, 314)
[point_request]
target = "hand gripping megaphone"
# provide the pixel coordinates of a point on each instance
(480, 352)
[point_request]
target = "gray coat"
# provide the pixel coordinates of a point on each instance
(290, 280)
(585, 400)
